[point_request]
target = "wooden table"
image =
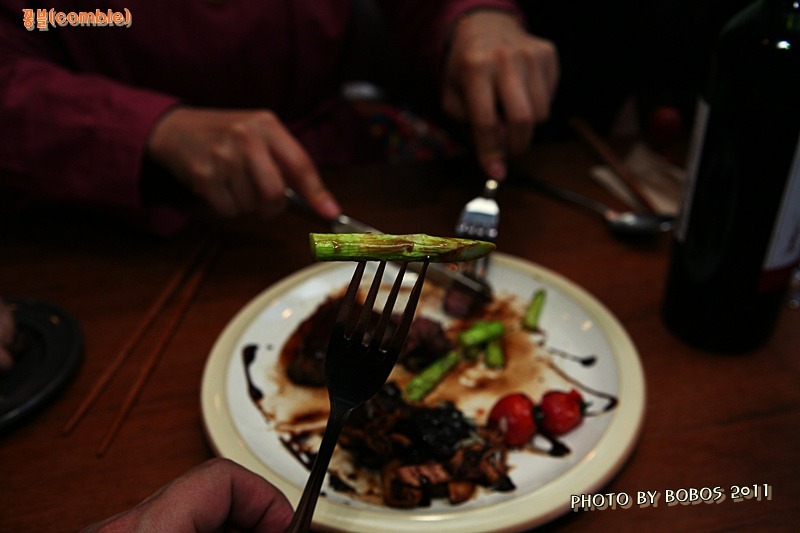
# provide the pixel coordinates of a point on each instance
(712, 420)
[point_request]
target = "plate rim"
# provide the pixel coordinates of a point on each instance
(614, 446)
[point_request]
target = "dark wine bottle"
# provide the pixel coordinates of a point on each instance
(738, 234)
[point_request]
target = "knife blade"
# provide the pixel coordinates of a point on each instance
(438, 273)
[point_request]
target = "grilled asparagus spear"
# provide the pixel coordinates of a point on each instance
(531, 319)
(384, 247)
(429, 378)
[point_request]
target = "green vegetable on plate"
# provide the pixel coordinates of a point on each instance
(530, 320)
(481, 332)
(494, 356)
(431, 376)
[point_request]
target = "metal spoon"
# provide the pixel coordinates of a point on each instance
(625, 223)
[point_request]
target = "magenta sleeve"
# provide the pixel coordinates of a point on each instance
(423, 28)
(70, 136)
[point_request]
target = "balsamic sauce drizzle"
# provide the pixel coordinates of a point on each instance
(585, 360)
(249, 356)
(611, 400)
(557, 448)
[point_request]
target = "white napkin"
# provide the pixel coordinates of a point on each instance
(660, 180)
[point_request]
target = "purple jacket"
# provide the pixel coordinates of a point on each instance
(77, 103)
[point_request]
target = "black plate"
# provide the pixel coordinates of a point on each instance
(49, 349)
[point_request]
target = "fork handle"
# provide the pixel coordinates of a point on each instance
(301, 521)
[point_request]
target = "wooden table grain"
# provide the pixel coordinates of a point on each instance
(711, 420)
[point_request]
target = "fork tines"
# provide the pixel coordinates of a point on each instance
(357, 331)
(479, 219)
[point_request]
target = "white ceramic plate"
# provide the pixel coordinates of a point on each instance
(574, 321)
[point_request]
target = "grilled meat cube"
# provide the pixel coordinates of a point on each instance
(460, 491)
(400, 495)
(307, 367)
(483, 461)
(462, 303)
(369, 433)
(423, 475)
(426, 342)
(424, 452)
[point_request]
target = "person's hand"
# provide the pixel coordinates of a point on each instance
(239, 162)
(218, 495)
(501, 80)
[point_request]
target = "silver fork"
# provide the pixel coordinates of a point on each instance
(357, 365)
(479, 220)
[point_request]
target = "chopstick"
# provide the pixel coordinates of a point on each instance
(152, 313)
(607, 155)
(154, 310)
(178, 312)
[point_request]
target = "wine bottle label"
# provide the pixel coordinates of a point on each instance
(733, 135)
(784, 246)
(693, 164)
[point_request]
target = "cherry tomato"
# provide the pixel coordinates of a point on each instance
(560, 412)
(513, 416)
